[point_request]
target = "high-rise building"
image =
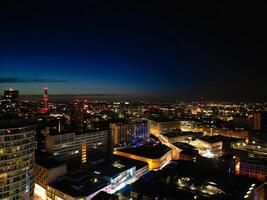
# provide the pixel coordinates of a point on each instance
(129, 132)
(78, 114)
(16, 159)
(10, 101)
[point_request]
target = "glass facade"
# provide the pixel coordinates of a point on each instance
(17, 163)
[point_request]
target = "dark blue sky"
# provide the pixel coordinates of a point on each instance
(133, 48)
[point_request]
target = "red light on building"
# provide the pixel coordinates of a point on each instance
(45, 100)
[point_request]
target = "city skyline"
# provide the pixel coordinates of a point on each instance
(133, 100)
(134, 48)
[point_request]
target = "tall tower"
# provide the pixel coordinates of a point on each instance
(45, 100)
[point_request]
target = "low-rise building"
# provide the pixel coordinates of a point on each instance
(156, 156)
(159, 126)
(77, 186)
(190, 180)
(109, 177)
(181, 136)
(47, 170)
(209, 146)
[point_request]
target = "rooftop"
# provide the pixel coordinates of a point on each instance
(185, 179)
(148, 151)
(79, 184)
(66, 131)
(46, 160)
(116, 165)
(211, 139)
(181, 133)
(15, 122)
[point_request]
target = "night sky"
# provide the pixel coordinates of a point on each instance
(215, 51)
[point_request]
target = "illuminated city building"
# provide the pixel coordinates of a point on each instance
(208, 146)
(181, 136)
(190, 180)
(17, 159)
(194, 126)
(159, 126)
(251, 159)
(110, 176)
(69, 144)
(186, 151)
(46, 172)
(130, 132)
(155, 156)
(78, 114)
(9, 102)
(77, 186)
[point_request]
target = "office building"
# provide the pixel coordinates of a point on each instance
(159, 126)
(16, 159)
(129, 132)
(65, 145)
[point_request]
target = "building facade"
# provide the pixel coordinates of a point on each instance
(129, 132)
(16, 159)
(65, 145)
(46, 172)
(157, 128)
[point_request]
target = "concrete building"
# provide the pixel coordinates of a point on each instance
(16, 159)
(69, 144)
(158, 127)
(47, 170)
(208, 146)
(181, 136)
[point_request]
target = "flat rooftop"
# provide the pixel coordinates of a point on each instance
(181, 133)
(46, 160)
(15, 122)
(116, 165)
(183, 146)
(148, 151)
(211, 139)
(55, 132)
(187, 148)
(79, 184)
